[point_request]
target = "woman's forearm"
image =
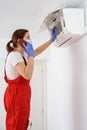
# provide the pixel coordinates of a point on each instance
(41, 48)
(29, 68)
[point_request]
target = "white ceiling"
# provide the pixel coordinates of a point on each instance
(28, 13)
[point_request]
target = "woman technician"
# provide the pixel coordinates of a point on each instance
(18, 73)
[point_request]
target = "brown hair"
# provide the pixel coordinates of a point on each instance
(12, 44)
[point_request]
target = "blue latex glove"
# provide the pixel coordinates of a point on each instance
(29, 49)
(53, 34)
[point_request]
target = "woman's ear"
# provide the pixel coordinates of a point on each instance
(21, 43)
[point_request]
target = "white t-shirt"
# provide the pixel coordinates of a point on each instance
(12, 59)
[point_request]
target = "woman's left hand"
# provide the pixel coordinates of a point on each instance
(29, 49)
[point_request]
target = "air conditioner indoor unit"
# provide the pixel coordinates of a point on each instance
(69, 23)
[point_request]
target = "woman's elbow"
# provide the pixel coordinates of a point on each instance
(28, 77)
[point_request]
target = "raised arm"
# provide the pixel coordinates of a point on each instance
(44, 46)
(41, 48)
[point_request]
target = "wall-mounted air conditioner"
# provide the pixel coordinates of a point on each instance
(70, 25)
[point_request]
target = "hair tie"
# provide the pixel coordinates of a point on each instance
(11, 44)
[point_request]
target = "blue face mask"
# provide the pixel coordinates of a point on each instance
(29, 41)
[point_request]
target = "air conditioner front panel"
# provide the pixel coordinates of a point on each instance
(69, 23)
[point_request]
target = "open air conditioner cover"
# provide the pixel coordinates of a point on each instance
(69, 24)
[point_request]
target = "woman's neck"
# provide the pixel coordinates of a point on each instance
(20, 50)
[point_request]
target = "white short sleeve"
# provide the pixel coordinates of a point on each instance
(14, 58)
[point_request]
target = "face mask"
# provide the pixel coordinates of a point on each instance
(29, 41)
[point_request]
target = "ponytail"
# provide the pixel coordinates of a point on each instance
(10, 46)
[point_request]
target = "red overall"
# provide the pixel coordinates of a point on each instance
(17, 103)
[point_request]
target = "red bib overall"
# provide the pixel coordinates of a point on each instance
(17, 103)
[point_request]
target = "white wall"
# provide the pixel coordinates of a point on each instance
(2, 83)
(59, 89)
(67, 87)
